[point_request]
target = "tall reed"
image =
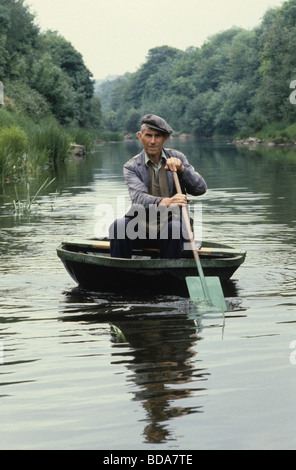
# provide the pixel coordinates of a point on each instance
(13, 147)
(24, 207)
(27, 147)
(51, 139)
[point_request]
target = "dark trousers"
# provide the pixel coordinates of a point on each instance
(170, 243)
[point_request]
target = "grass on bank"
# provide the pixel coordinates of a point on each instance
(278, 130)
(27, 147)
(25, 150)
(274, 130)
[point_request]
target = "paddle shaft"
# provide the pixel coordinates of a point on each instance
(191, 238)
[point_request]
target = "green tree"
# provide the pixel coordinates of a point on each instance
(43, 73)
(228, 106)
(278, 63)
(237, 81)
(66, 57)
(95, 117)
(20, 36)
(26, 100)
(197, 117)
(70, 62)
(132, 120)
(50, 81)
(136, 85)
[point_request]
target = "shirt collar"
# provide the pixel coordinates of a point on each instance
(162, 158)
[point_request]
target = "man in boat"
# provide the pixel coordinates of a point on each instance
(150, 182)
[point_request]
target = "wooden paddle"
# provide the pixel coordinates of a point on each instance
(205, 291)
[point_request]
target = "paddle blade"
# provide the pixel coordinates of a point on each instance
(216, 296)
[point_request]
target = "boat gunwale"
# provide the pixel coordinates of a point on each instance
(237, 258)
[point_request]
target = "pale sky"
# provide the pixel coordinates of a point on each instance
(114, 36)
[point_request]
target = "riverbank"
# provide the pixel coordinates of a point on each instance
(27, 147)
(256, 141)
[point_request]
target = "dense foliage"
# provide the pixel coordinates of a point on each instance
(42, 73)
(49, 97)
(238, 82)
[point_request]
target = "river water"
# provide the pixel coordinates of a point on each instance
(85, 370)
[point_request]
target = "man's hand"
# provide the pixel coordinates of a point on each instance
(176, 200)
(174, 164)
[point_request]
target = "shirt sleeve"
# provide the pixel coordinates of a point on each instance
(190, 180)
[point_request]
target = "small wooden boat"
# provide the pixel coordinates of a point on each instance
(90, 265)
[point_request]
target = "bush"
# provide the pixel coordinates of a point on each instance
(278, 130)
(26, 100)
(82, 137)
(7, 118)
(13, 147)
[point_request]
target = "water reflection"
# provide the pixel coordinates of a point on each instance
(162, 371)
(157, 341)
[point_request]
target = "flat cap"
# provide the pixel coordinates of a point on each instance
(157, 123)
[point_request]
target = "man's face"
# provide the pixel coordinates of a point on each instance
(152, 142)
